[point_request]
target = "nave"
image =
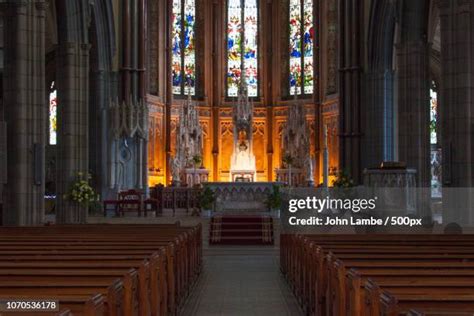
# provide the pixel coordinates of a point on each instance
(241, 280)
(154, 269)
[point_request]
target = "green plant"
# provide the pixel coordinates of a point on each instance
(81, 191)
(274, 198)
(206, 198)
(343, 180)
(196, 160)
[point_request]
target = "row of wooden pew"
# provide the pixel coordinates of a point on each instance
(101, 269)
(377, 274)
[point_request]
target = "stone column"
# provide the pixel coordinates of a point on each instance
(350, 68)
(142, 87)
(457, 108)
(73, 117)
(25, 111)
(216, 69)
(378, 141)
(414, 115)
(267, 88)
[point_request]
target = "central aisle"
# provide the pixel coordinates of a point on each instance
(241, 281)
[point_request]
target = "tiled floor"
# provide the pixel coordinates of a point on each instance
(241, 281)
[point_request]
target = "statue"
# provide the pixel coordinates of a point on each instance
(175, 170)
(243, 160)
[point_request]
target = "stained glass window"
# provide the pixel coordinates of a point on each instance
(53, 115)
(436, 154)
(242, 46)
(301, 46)
(433, 116)
(183, 59)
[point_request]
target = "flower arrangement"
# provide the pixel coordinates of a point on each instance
(343, 180)
(81, 191)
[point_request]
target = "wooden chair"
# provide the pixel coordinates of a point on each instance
(130, 200)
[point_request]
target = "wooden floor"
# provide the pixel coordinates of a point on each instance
(241, 280)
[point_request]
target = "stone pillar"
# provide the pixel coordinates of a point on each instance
(73, 125)
(267, 89)
(25, 111)
(142, 87)
(457, 108)
(350, 68)
(168, 99)
(414, 115)
(218, 7)
(378, 111)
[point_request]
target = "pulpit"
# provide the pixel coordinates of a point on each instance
(395, 188)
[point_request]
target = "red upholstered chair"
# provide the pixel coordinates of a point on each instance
(130, 200)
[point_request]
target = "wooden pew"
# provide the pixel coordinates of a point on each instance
(98, 261)
(398, 301)
(194, 248)
(121, 294)
(337, 275)
(38, 249)
(196, 255)
(298, 262)
(325, 269)
(357, 302)
(145, 289)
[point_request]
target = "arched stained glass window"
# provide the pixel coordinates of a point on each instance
(436, 153)
(433, 116)
(183, 63)
(301, 46)
(53, 115)
(242, 46)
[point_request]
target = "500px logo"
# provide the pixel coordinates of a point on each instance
(319, 205)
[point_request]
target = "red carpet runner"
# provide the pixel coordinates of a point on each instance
(241, 230)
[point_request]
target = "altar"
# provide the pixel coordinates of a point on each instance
(241, 197)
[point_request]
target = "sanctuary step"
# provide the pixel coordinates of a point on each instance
(241, 230)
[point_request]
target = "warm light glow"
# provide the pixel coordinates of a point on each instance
(53, 116)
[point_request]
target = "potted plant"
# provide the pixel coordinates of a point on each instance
(206, 199)
(274, 199)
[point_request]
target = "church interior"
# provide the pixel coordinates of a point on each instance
(150, 151)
